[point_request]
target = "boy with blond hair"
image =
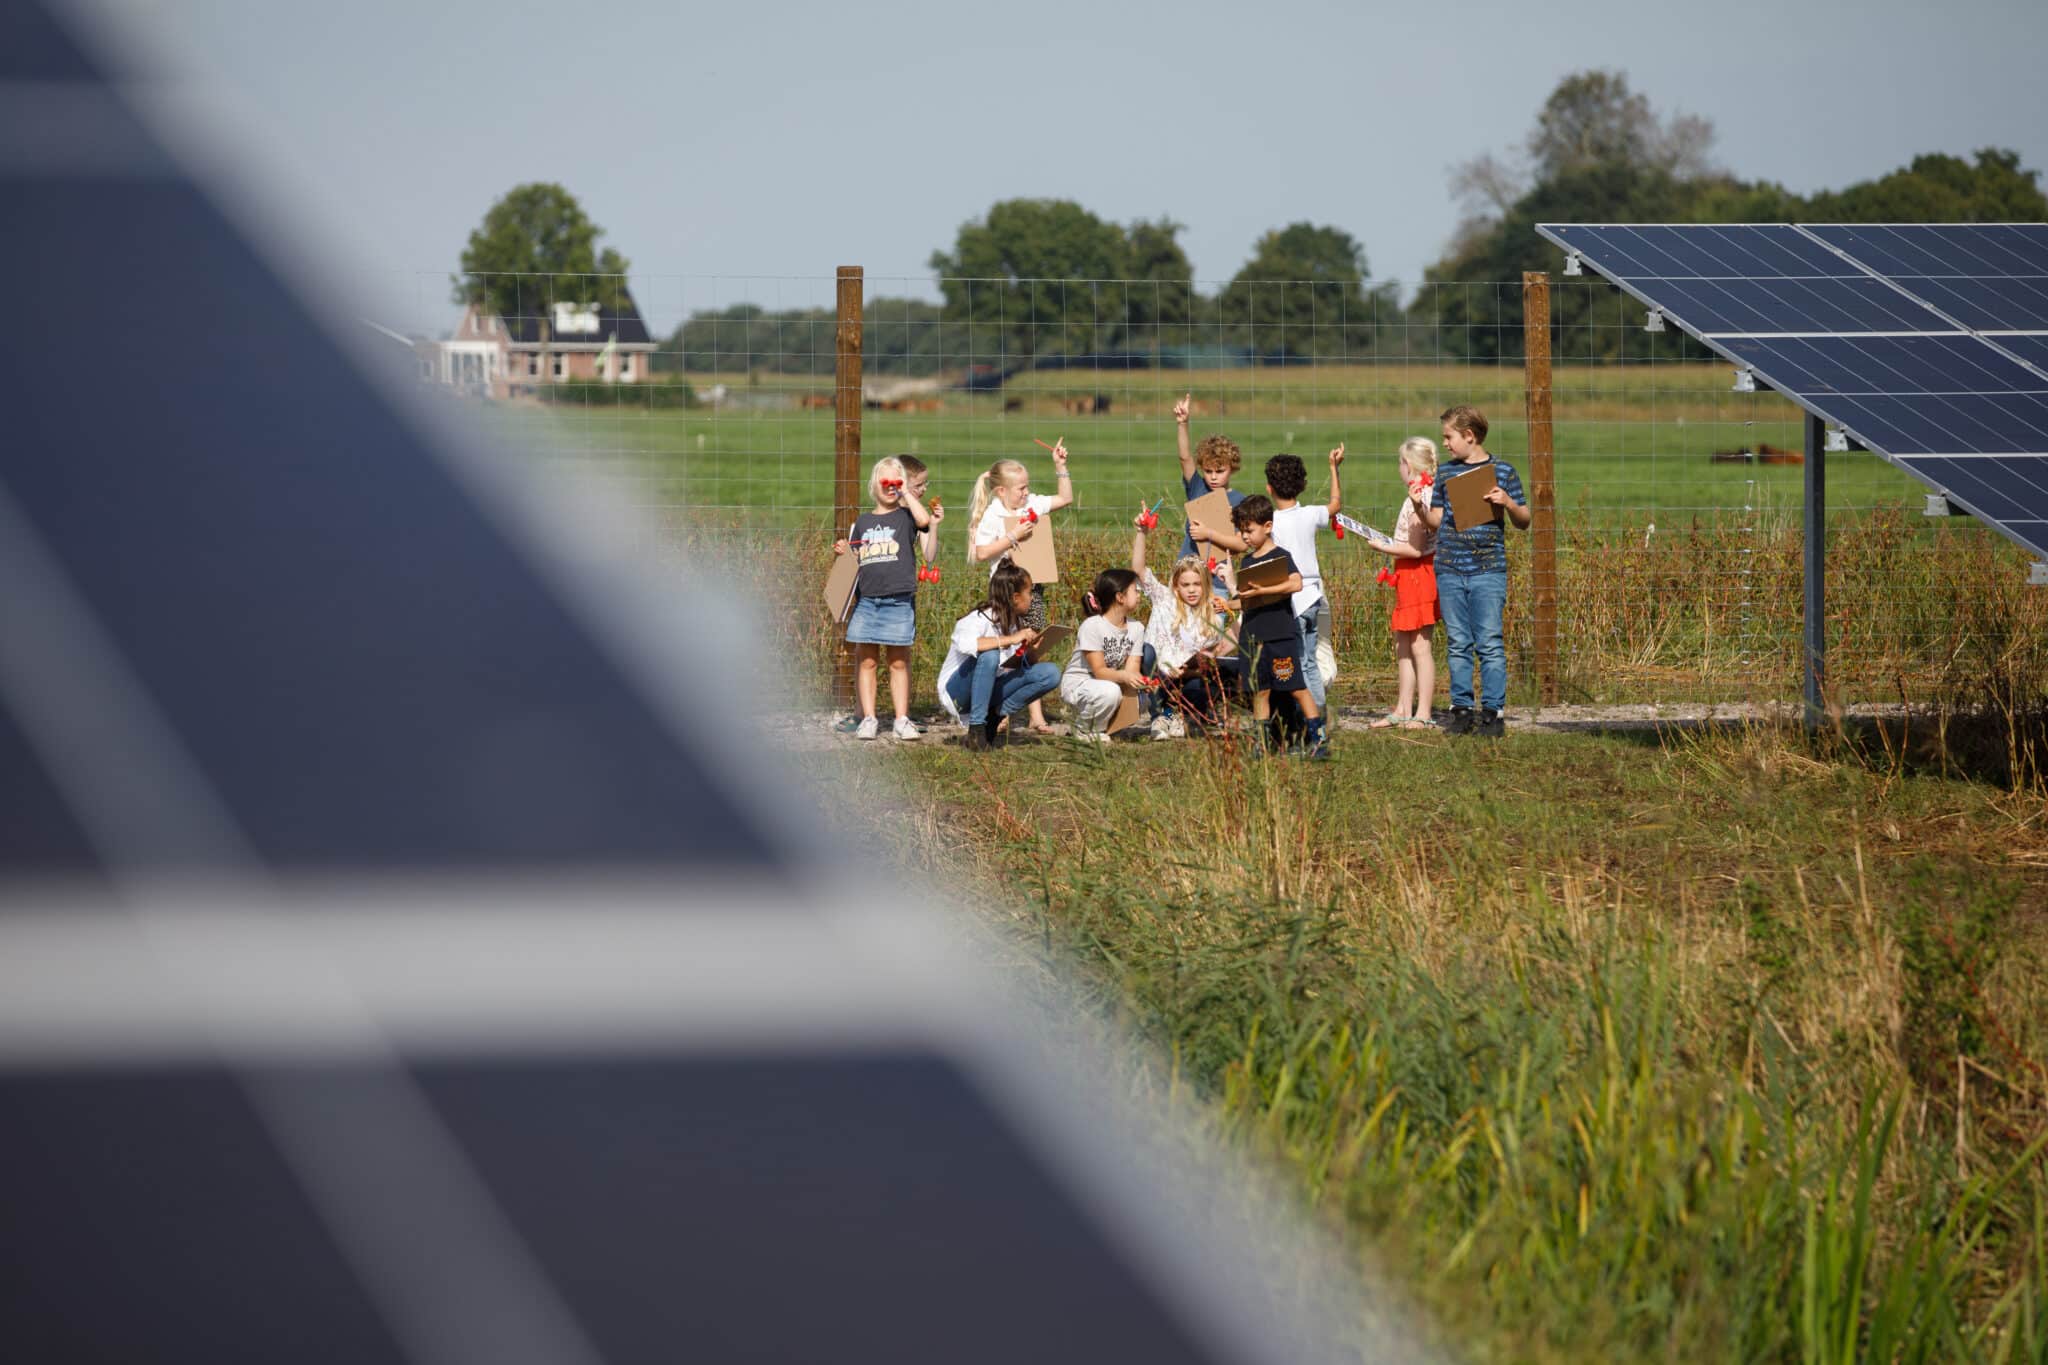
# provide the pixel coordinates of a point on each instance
(1472, 572)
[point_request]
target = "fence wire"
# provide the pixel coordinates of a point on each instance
(1678, 498)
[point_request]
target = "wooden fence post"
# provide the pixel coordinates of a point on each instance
(846, 480)
(1543, 503)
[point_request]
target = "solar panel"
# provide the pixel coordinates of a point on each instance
(329, 746)
(1925, 343)
(1988, 277)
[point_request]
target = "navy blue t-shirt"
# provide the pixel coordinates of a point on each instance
(1271, 620)
(1473, 549)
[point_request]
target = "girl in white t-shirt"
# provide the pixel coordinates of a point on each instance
(1108, 654)
(1001, 492)
(983, 680)
(1185, 635)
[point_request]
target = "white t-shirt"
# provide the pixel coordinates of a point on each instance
(1117, 647)
(1294, 530)
(974, 626)
(993, 523)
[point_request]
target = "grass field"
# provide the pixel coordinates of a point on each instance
(1609, 1048)
(1633, 443)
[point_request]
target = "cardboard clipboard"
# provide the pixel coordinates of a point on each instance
(1052, 639)
(1036, 555)
(1466, 494)
(1127, 713)
(1212, 509)
(841, 580)
(1267, 573)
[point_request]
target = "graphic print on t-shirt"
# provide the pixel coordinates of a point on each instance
(1116, 650)
(878, 546)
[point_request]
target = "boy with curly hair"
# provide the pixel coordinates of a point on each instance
(1206, 468)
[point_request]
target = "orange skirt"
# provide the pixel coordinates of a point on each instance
(1415, 594)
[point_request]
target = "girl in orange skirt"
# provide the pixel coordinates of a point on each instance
(1413, 548)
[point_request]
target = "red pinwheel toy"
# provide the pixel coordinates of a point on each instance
(1385, 575)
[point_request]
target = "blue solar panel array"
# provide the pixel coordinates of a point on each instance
(1926, 342)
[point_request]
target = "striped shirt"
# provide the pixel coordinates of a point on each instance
(1478, 549)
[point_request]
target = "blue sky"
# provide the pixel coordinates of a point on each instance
(743, 151)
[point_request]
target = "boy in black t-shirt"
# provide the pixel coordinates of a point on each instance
(1269, 632)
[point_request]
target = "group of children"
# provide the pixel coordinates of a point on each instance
(1186, 655)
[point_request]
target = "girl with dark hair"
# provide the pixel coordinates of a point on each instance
(1107, 652)
(984, 679)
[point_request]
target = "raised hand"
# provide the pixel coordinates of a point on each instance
(1184, 409)
(1337, 455)
(1059, 453)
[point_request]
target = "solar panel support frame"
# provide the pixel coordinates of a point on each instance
(2037, 574)
(1815, 514)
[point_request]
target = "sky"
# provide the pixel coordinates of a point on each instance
(744, 151)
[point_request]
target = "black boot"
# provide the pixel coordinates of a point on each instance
(1491, 726)
(1460, 722)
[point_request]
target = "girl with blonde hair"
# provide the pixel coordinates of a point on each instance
(1413, 549)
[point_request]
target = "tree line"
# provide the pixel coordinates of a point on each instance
(1046, 281)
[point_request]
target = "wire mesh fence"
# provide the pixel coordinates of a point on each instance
(1678, 496)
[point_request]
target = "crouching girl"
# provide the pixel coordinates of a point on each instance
(1108, 654)
(985, 679)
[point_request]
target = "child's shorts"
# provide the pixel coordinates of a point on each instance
(1279, 668)
(1415, 594)
(883, 620)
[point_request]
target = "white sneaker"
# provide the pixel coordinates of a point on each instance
(1092, 736)
(1169, 727)
(906, 728)
(869, 728)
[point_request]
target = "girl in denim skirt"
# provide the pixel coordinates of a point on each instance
(885, 608)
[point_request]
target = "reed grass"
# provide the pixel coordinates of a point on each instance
(1713, 1046)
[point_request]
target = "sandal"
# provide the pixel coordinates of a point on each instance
(1386, 722)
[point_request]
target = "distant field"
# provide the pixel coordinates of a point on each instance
(1633, 442)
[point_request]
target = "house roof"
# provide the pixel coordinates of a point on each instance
(624, 320)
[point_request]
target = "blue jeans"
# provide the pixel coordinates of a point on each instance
(1306, 623)
(1471, 606)
(982, 685)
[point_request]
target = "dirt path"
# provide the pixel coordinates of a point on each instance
(805, 732)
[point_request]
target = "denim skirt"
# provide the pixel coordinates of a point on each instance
(883, 620)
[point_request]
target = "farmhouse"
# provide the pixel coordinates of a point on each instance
(505, 357)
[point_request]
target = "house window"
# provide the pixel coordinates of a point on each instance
(561, 365)
(625, 367)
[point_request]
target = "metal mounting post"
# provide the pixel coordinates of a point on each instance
(1816, 518)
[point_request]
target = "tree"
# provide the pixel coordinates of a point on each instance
(1939, 189)
(1046, 276)
(1303, 294)
(536, 246)
(1165, 295)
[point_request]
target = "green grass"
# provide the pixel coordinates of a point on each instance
(1722, 1048)
(1633, 444)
